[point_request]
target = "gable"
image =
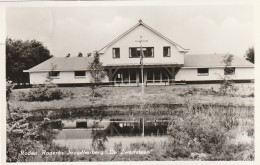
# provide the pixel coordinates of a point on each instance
(141, 29)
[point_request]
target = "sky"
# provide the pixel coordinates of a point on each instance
(204, 29)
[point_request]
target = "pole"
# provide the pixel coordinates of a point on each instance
(142, 73)
(142, 70)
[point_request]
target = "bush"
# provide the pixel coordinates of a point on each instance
(42, 93)
(195, 133)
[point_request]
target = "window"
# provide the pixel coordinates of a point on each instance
(157, 75)
(81, 124)
(203, 71)
(229, 71)
(132, 76)
(54, 74)
(80, 73)
(165, 77)
(125, 77)
(116, 52)
(150, 76)
(136, 52)
(166, 51)
(119, 77)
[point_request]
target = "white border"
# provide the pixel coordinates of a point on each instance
(4, 5)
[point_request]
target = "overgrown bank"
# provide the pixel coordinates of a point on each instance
(118, 96)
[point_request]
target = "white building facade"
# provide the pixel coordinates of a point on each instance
(164, 63)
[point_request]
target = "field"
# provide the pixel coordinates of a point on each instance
(80, 96)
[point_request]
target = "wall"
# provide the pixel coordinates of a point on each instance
(190, 74)
(153, 41)
(64, 78)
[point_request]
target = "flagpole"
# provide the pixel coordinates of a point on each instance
(142, 70)
(142, 73)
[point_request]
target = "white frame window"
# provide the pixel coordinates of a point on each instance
(135, 52)
(203, 71)
(80, 74)
(166, 51)
(116, 52)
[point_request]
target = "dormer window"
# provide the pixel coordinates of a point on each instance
(116, 52)
(166, 51)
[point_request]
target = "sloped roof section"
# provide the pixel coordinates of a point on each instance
(63, 64)
(213, 60)
(140, 23)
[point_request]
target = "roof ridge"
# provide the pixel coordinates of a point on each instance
(123, 34)
(163, 36)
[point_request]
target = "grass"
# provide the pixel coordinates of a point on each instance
(80, 96)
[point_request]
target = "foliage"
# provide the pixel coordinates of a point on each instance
(194, 133)
(226, 84)
(99, 139)
(195, 91)
(97, 74)
(42, 93)
(80, 54)
(22, 55)
(250, 55)
(22, 136)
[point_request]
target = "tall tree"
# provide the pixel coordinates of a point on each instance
(226, 83)
(97, 74)
(250, 54)
(22, 55)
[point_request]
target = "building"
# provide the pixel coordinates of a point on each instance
(164, 63)
(211, 68)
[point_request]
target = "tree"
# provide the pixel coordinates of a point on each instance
(227, 83)
(250, 55)
(22, 55)
(97, 74)
(80, 54)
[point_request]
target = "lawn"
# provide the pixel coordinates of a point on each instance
(111, 96)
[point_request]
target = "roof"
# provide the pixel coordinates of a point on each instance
(63, 64)
(213, 60)
(140, 23)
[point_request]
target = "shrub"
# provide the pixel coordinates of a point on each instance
(234, 152)
(251, 132)
(42, 93)
(227, 86)
(195, 133)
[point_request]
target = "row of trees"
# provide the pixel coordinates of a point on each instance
(80, 54)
